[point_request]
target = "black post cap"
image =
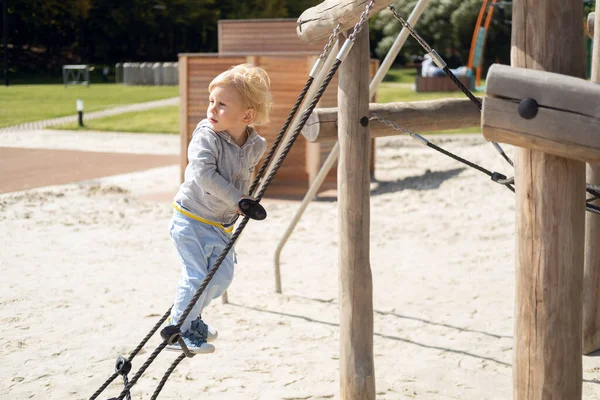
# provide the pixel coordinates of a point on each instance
(528, 108)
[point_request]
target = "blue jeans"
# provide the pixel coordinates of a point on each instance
(199, 246)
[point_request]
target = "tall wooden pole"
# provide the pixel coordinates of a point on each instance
(357, 371)
(591, 281)
(547, 35)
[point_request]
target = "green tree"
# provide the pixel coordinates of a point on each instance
(446, 25)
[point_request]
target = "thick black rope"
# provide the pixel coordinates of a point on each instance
(104, 386)
(143, 368)
(508, 182)
(189, 307)
(234, 237)
(492, 175)
(284, 128)
(133, 353)
(240, 228)
(254, 184)
(166, 376)
(463, 88)
(303, 120)
(592, 208)
(593, 189)
(590, 189)
(496, 176)
(125, 383)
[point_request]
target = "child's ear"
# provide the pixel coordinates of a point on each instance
(249, 116)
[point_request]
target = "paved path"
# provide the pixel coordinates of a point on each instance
(31, 168)
(31, 156)
(28, 126)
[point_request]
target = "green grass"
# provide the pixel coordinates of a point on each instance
(26, 103)
(397, 87)
(158, 120)
(401, 75)
(395, 92)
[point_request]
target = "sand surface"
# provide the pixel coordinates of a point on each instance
(88, 268)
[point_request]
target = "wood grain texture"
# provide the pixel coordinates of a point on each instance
(416, 116)
(550, 90)
(591, 271)
(317, 23)
(357, 371)
(556, 132)
(546, 35)
(260, 35)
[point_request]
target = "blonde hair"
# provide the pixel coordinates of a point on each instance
(253, 84)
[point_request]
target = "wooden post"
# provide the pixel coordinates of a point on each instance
(550, 200)
(591, 281)
(357, 371)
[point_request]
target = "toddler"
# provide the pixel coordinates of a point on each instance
(222, 155)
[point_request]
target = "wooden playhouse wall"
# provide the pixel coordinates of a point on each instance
(288, 72)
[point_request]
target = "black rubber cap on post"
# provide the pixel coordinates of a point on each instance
(528, 108)
(252, 209)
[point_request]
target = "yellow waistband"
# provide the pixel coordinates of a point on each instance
(204, 221)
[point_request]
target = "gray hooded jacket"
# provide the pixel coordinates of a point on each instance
(218, 173)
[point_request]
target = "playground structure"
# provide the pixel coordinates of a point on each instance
(479, 35)
(550, 177)
(550, 229)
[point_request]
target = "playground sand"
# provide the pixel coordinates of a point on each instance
(88, 268)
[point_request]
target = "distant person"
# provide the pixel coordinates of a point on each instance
(222, 155)
(429, 69)
(105, 72)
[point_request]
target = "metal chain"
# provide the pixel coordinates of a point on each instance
(330, 42)
(397, 127)
(363, 17)
(413, 33)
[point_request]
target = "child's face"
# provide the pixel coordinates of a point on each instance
(226, 110)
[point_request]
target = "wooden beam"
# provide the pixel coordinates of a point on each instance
(357, 370)
(565, 119)
(591, 271)
(317, 23)
(591, 22)
(416, 116)
(546, 35)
